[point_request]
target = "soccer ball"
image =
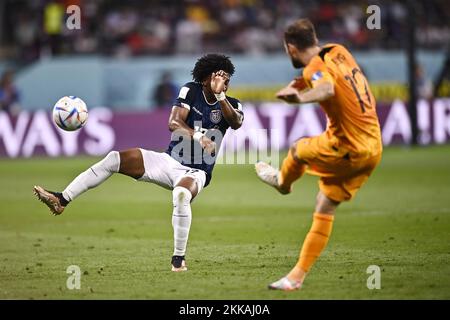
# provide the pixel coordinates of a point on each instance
(70, 113)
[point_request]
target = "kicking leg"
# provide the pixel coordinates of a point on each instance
(292, 169)
(314, 243)
(127, 162)
(183, 193)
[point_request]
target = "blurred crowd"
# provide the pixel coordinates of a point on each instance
(35, 28)
(9, 95)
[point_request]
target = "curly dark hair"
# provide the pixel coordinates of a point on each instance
(210, 63)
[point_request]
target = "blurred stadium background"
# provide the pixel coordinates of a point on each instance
(131, 57)
(127, 62)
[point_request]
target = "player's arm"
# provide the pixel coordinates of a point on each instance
(218, 82)
(320, 92)
(317, 77)
(177, 122)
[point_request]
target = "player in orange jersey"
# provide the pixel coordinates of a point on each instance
(344, 155)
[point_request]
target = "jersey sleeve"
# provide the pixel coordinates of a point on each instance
(316, 73)
(186, 96)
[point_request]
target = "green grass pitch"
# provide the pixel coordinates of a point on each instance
(243, 236)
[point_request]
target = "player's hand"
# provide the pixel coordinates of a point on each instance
(299, 83)
(289, 94)
(292, 84)
(218, 81)
(208, 145)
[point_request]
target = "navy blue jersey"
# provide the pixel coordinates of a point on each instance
(202, 116)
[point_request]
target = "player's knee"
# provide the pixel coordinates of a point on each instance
(181, 196)
(132, 163)
(293, 151)
(293, 148)
(325, 204)
(130, 155)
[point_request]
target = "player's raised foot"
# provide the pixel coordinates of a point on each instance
(178, 264)
(285, 284)
(51, 199)
(270, 175)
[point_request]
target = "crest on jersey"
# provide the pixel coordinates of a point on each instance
(215, 116)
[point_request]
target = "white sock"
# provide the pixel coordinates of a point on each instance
(181, 219)
(93, 176)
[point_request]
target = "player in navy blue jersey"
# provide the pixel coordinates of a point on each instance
(199, 119)
(203, 116)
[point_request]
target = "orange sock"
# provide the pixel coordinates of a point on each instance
(290, 171)
(315, 240)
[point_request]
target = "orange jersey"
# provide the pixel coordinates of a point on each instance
(351, 112)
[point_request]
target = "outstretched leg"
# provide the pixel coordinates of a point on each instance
(127, 162)
(315, 242)
(183, 193)
(292, 169)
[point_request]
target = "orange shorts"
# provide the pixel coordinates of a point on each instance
(341, 171)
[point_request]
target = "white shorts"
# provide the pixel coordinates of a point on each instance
(165, 171)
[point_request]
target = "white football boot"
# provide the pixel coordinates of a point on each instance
(269, 175)
(285, 284)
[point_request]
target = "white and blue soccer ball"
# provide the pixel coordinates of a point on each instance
(70, 113)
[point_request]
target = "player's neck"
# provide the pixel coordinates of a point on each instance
(311, 53)
(210, 98)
